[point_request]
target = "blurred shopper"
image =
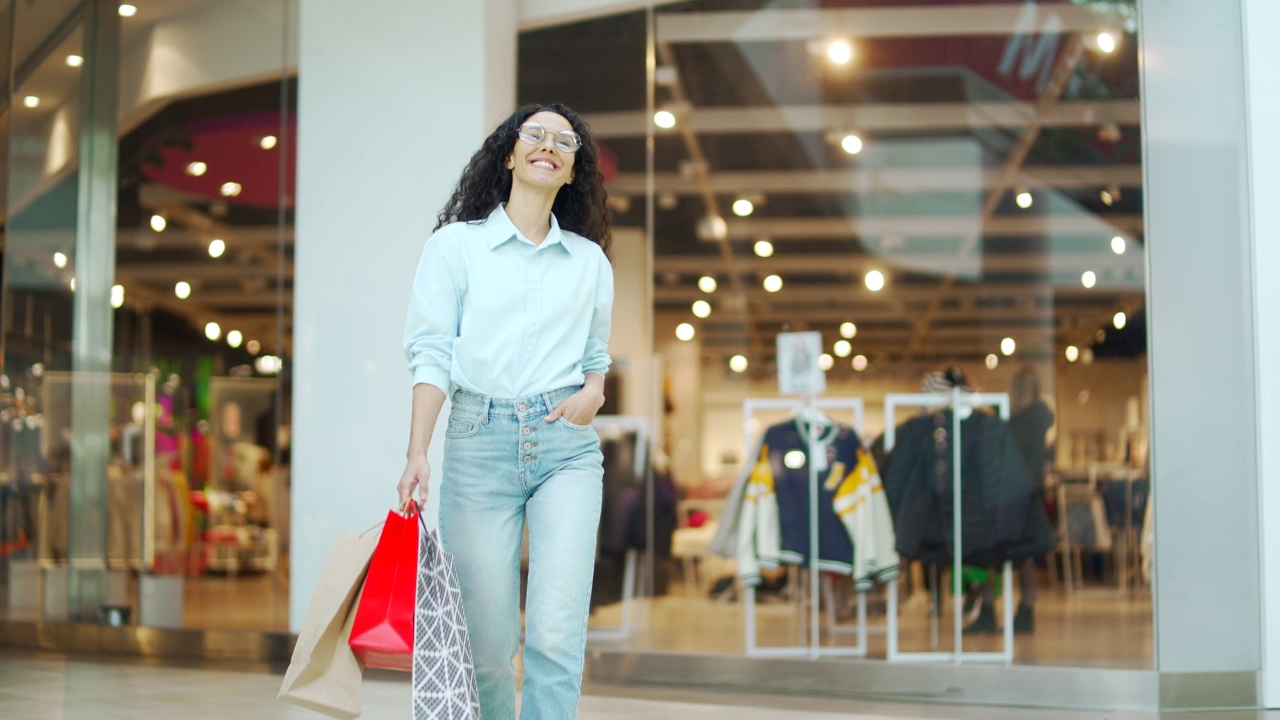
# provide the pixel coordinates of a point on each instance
(510, 319)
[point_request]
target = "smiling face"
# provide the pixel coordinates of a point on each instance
(543, 165)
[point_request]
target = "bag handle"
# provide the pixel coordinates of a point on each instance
(408, 508)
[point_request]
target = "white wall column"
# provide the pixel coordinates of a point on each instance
(393, 100)
(1262, 57)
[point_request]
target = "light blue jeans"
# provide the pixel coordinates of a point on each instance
(502, 463)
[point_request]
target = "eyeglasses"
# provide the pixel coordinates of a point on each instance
(566, 140)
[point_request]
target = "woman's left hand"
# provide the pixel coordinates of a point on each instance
(579, 408)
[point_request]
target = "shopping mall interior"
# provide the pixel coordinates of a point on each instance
(928, 228)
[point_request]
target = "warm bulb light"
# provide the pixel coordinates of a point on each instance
(230, 189)
(1073, 353)
(197, 168)
(31, 101)
(182, 290)
(848, 330)
(707, 284)
(843, 348)
(117, 296)
(1106, 42)
(158, 223)
(685, 332)
(213, 331)
(743, 207)
(1089, 279)
(763, 248)
(859, 362)
(59, 260)
(664, 119)
(992, 362)
(738, 363)
(1024, 200)
(1008, 346)
(1118, 245)
(234, 338)
(851, 144)
(840, 52)
(268, 142)
(75, 61)
(875, 281)
(773, 283)
(128, 10)
(826, 362)
(1120, 320)
(217, 248)
(701, 308)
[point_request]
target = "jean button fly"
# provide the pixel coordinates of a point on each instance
(528, 445)
(527, 430)
(528, 458)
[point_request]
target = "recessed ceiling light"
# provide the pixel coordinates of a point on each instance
(874, 281)
(197, 168)
(1107, 198)
(851, 144)
(763, 248)
(1120, 320)
(743, 207)
(117, 296)
(1118, 245)
(848, 330)
(59, 260)
(664, 119)
(216, 248)
(701, 308)
(773, 283)
(826, 362)
(1024, 200)
(128, 10)
(738, 363)
(213, 331)
(1089, 279)
(230, 189)
(992, 362)
(74, 61)
(843, 348)
(182, 290)
(859, 362)
(268, 142)
(234, 338)
(1008, 346)
(1106, 42)
(1073, 353)
(253, 346)
(707, 284)
(685, 332)
(158, 223)
(31, 101)
(840, 52)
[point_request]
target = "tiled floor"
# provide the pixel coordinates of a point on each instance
(46, 687)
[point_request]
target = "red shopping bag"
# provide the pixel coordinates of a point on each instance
(382, 633)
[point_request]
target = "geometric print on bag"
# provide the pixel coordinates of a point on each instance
(444, 677)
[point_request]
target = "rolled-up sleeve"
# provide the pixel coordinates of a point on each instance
(431, 325)
(596, 358)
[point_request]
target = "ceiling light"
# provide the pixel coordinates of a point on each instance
(875, 281)
(712, 227)
(213, 331)
(253, 346)
(268, 365)
(743, 207)
(851, 144)
(738, 363)
(182, 290)
(772, 284)
(1008, 346)
(158, 223)
(117, 296)
(1089, 279)
(234, 338)
(685, 332)
(197, 168)
(843, 348)
(840, 52)
(1107, 198)
(216, 248)
(1024, 199)
(59, 260)
(664, 119)
(763, 248)
(826, 362)
(701, 308)
(1106, 42)
(230, 189)
(1120, 320)
(268, 142)
(1073, 353)
(128, 10)
(992, 362)
(31, 101)
(1118, 245)
(848, 330)
(707, 284)
(859, 362)
(74, 61)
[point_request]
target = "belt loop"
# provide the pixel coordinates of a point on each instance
(484, 409)
(549, 400)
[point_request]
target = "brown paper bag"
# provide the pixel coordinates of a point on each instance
(324, 675)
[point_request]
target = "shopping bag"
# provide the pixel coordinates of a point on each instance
(382, 634)
(444, 678)
(324, 674)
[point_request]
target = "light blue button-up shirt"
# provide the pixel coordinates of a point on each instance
(494, 314)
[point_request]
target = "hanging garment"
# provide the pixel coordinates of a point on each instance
(1001, 517)
(855, 530)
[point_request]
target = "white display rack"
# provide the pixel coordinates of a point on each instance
(957, 400)
(814, 648)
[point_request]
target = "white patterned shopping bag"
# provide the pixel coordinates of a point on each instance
(444, 677)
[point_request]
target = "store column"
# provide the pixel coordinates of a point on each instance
(394, 97)
(1207, 589)
(1262, 56)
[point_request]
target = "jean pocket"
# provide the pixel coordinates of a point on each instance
(462, 425)
(572, 426)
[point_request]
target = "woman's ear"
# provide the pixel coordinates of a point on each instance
(511, 161)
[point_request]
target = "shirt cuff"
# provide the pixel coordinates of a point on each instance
(426, 375)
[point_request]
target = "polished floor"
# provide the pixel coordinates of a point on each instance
(49, 687)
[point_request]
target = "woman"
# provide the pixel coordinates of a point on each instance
(510, 318)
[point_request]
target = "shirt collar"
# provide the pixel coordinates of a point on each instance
(501, 229)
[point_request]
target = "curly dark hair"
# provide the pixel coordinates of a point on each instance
(579, 206)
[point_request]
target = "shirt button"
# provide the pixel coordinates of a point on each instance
(528, 431)
(528, 445)
(528, 458)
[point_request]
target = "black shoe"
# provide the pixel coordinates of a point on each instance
(1025, 621)
(985, 624)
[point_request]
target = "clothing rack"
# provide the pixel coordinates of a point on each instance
(957, 400)
(810, 404)
(605, 426)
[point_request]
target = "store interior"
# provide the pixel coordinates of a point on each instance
(927, 186)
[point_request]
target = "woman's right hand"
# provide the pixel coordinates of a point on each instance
(417, 474)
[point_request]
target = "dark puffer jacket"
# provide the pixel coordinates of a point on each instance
(1002, 518)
